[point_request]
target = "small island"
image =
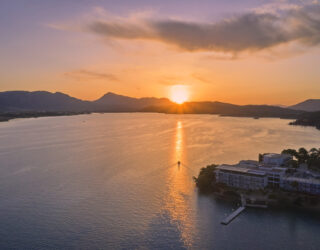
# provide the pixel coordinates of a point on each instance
(289, 178)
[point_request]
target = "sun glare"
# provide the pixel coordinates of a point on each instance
(179, 94)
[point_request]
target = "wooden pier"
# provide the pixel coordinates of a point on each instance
(232, 216)
(244, 204)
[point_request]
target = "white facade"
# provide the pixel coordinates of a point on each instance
(304, 185)
(248, 174)
(241, 177)
(276, 159)
(254, 175)
(275, 175)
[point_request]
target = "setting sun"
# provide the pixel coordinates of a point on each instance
(179, 94)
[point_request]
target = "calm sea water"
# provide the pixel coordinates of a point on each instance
(110, 181)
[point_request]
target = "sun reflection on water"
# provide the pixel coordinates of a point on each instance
(180, 190)
(178, 142)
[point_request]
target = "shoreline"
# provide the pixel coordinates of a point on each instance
(7, 116)
(283, 199)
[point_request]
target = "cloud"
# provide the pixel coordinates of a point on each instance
(86, 74)
(201, 78)
(252, 31)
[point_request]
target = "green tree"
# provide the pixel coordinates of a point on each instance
(314, 153)
(291, 152)
(303, 155)
(260, 157)
(206, 178)
(314, 159)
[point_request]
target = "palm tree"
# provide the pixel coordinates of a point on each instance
(314, 159)
(291, 152)
(303, 155)
(314, 153)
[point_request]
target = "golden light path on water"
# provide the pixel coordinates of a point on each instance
(180, 189)
(178, 142)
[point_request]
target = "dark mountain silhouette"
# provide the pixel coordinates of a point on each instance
(40, 101)
(118, 103)
(226, 109)
(43, 101)
(310, 105)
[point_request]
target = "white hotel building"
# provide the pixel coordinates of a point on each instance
(271, 172)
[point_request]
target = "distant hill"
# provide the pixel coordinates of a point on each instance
(111, 102)
(310, 105)
(226, 109)
(40, 101)
(43, 101)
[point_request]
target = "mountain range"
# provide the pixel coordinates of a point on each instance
(43, 101)
(310, 105)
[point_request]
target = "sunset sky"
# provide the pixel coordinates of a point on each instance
(243, 52)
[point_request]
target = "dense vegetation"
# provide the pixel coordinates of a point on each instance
(308, 119)
(206, 179)
(311, 157)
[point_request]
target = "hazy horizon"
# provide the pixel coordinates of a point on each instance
(165, 97)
